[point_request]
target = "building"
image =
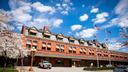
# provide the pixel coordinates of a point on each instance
(66, 51)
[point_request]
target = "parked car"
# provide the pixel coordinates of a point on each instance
(121, 68)
(45, 64)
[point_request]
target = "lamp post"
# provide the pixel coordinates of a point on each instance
(32, 52)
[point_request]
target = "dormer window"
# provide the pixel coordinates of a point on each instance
(104, 45)
(60, 37)
(81, 41)
(33, 31)
(89, 43)
(71, 40)
(47, 34)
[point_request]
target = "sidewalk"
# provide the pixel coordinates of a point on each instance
(57, 69)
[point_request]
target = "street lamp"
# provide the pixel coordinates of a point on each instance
(32, 52)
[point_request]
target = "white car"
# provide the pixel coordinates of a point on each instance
(45, 64)
(121, 68)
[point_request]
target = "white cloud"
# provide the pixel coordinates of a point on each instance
(84, 17)
(42, 8)
(121, 7)
(76, 27)
(121, 21)
(22, 14)
(64, 12)
(114, 46)
(87, 33)
(57, 22)
(94, 10)
(100, 18)
(122, 15)
(65, 7)
(58, 4)
(24, 17)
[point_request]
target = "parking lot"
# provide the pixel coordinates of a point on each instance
(60, 69)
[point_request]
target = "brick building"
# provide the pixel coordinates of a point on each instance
(66, 51)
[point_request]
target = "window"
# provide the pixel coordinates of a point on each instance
(48, 49)
(91, 53)
(59, 48)
(49, 43)
(29, 41)
(28, 45)
(72, 49)
(99, 55)
(32, 33)
(34, 46)
(60, 39)
(34, 42)
(47, 37)
(43, 48)
(82, 51)
(71, 41)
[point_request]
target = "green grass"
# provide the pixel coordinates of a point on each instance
(8, 70)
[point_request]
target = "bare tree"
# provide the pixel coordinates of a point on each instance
(124, 36)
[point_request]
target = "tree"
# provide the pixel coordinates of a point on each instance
(11, 46)
(10, 42)
(124, 36)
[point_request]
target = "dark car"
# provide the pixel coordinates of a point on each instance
(121, 68)
(45, 64)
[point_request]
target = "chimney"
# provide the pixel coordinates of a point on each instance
(45, 28)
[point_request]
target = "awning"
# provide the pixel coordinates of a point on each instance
(57, 47)
(34, 43)
(62, 47)
(84, 50)
(49, 45)
(81, 50)
(70, 48)
(34, 31)
(44, 45)
(74, 49)
(28, 42)
(60, 36)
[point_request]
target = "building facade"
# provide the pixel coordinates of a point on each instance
(66, 51)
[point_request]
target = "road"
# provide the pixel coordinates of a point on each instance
(60, 69)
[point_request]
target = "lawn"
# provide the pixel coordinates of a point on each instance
(8, 70)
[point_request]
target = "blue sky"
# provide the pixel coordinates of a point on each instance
(77, 18)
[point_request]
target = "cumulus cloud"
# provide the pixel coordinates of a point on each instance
(114, 46)
(34, 14)
(42, 8)
(86, 33)
(121, 7)
(94, 10)
(84, 17)
(65, 7)
(76, 27)
(57, 22)
(100, 18)
(122, 15)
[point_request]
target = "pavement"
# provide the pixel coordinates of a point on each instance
(57, 69)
